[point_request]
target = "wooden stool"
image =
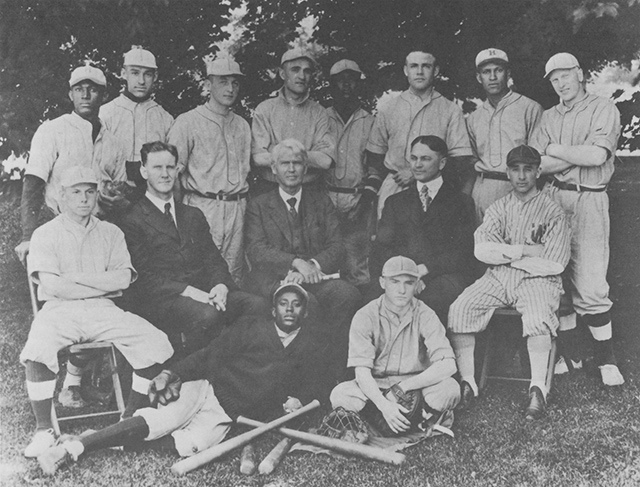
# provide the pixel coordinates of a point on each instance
(492, 336)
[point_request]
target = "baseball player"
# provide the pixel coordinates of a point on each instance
(292, 115)
(213, 158)
(420, 110)
(578, 139)
(350, 125)
(525, 239)
(397, 340)
(504, 121)
(75, 139)
(80, 263)
(255, 369)
(134, 117)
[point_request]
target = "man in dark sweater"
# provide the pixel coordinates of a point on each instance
(255, 368)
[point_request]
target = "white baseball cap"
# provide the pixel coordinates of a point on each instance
(491, 54)
(140, 57)
(77, 175)
(293, 287)
(345, 65)
(296, 53)
(223, 67)
(400, 266)
(87, 73)
(561, 60)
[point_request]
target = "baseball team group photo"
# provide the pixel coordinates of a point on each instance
(320, 243)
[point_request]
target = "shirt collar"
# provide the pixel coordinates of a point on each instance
(159, 203)
(393, 317)
(75, 226)
(289, 102)
(286, 196)
(286, 338)
(413, 98)
(562, 108)
(503, 101)
(433, 186)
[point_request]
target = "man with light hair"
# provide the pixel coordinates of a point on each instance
(292, 115)
(293, 235)
(214, 147)
(134, 117)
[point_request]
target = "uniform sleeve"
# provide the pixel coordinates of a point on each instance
(379, 137)
(262, 137)
(490, 245)
(179, 136)
(42, 255)
(472, 135)
(362, 347)
(540, 139)
(119, 257)
(43, 152)
(434, 336)
(532, 118)
(605, 127)
(457, 136)
(324, 140)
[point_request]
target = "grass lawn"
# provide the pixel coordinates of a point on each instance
(591, 435)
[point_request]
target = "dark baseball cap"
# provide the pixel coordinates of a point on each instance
(524, 154)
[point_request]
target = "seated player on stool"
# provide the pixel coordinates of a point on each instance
(525, 239)
(396, 339)
(256, 368)
(80, 263)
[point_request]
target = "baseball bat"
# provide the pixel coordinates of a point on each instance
(205, 456)
(248, 460)
(356, 449)
(275, 456)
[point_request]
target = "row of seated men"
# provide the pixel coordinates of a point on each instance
(298, 238)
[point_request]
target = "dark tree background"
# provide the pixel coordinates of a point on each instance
(41, 41)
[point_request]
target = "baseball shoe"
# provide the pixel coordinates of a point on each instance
(537, 404)
(611, 375)
(467, 395)
(41, 440)
(54, 458)
(70, 397)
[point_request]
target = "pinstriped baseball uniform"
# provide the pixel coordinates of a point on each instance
(590, 121)
(530, 284)
(493, 132)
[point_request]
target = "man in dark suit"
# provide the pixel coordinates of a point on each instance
(184, 285)
(432, 223)
(292, 235)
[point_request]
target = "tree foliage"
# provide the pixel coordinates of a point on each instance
(42, 40)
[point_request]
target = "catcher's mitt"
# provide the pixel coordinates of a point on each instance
(344, 425)
(412, 401)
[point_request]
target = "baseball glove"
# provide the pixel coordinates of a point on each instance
(412, 401)
(344, 425)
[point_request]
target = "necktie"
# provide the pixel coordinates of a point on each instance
(167, 213)
(292, 207)
(425, 198)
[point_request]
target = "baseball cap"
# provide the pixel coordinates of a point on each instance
(140, 57)
(223, 67)
(400, 266)
(561, 60)
(76, 175)
(491, 54)
(87, 73)
(345, 65)
(296, 53)
(523, 153)
(292, 287)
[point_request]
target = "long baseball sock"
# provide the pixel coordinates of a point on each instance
(74, 375)
(464, 345)
(41, 384)
(139, 388)
(539, 348)
(126, 431)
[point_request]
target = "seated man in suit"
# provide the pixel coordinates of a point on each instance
(293, 235)
(184, 284)
(432, 223)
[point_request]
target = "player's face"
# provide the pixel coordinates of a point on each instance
(344, 85)
(297, 75)
(140, 80)
(289, 172)
(79, 200)
(160, 172)
(426, 164)
(87, 98)
(224, 89)
(493, 77)
(568, 84)
(399, 290)
(289, 310)
(523, 177)
(421, 70)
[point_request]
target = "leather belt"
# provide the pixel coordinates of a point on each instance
(220, 196)
(499, 176)
(336, 189)
(576, 187)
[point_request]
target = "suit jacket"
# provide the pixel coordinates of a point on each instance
(441, 238)
(268, 237)
(169, 259)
